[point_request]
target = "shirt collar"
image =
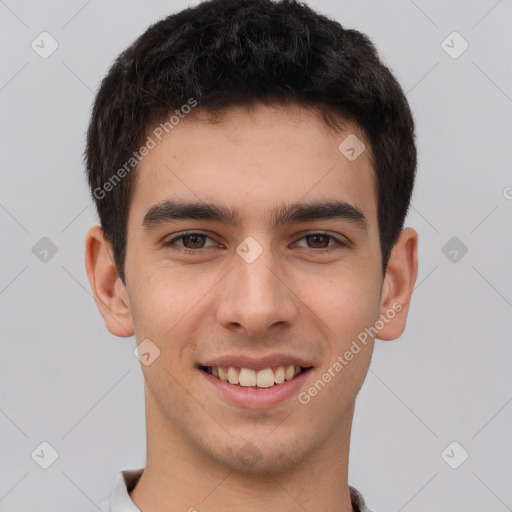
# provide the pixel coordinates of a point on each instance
(358, 503)
(120, 500)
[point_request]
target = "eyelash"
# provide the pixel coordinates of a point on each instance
(338, 243)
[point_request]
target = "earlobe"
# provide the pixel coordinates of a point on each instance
(401, 274)
(109, 292)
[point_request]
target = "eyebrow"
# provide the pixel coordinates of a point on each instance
(167, 211)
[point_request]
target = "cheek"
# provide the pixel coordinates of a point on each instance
(166, 295)
(348, 304)
(168, 307)
(345, 302)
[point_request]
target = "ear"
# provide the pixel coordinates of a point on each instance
(398, 284)
(109, 292)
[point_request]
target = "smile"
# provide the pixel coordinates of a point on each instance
(256, 379)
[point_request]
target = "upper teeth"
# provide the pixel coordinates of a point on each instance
(248, 377)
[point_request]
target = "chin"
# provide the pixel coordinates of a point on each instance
(264, 456)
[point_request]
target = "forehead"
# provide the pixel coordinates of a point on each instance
(254, 161)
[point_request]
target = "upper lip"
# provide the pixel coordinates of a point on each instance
(257, 363)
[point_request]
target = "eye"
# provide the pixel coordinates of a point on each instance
(320, 241)
(190, 240)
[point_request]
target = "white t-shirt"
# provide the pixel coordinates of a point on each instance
(120, 500)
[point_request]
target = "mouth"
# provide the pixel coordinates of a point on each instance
(271, 377)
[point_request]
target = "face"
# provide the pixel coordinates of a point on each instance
(245, 280)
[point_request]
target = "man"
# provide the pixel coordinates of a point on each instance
(252, 164)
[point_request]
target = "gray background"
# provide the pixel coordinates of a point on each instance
(65, 380)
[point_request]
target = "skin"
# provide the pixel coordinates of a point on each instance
(291, 299)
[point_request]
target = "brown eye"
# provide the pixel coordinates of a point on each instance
(196, 241)
(189, 241)
(318, 241)
(322, 242)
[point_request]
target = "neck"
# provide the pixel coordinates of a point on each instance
(177, 477)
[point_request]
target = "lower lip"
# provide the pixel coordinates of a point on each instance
(257, 398)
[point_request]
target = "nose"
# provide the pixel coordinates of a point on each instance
(257, 297)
